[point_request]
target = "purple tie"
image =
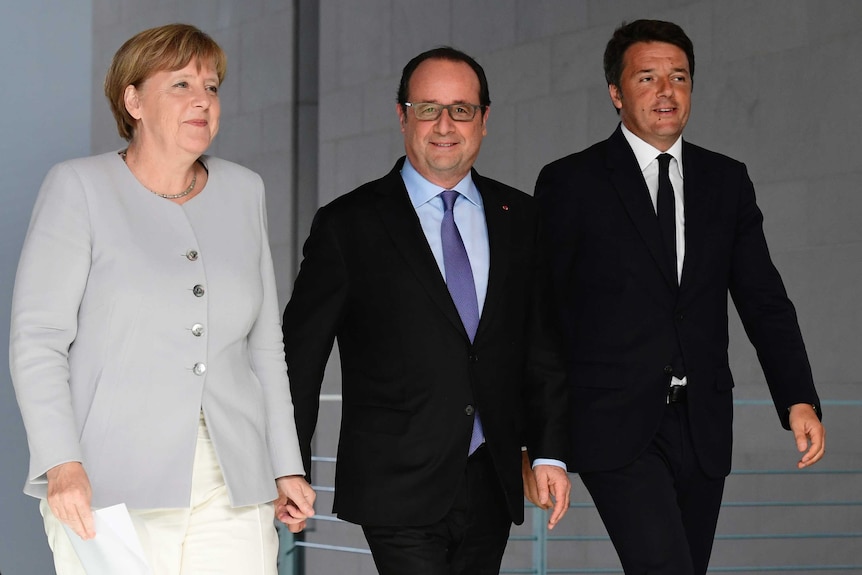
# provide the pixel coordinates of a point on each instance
(459, 280)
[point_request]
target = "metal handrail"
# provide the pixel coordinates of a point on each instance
(540, 539)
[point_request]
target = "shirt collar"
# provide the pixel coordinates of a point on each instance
(421, 191)
(646, 153)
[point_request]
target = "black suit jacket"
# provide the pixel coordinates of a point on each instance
(410, 376)
(623, 315)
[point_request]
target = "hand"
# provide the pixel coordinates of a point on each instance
(531, 489)
(69, 497)
(553, 484)
(295, 502)
(809, 434)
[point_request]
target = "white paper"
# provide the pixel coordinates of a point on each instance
(115, 548)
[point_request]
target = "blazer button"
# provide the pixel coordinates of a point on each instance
(199, 368)
(474, 358)
(680, 316)
(192, 255)
(469, 410)
(668, 369)
(197, 330)
(198, 290)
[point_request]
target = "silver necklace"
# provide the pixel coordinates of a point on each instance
(182, 194)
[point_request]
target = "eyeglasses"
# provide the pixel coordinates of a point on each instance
(427, 111)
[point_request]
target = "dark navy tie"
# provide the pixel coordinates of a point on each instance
(666, 211)
(459, 280)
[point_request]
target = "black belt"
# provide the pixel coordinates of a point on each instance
(677, 394)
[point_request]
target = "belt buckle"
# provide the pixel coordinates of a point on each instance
(676, 394)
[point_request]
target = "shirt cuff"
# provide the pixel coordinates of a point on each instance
(554, 462)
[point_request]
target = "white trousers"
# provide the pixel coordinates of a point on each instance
(209, 537)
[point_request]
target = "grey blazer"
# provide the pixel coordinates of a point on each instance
(131, 314)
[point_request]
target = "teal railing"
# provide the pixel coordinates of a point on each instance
(544, 546)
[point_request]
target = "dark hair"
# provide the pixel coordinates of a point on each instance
(643, 31)
(452, 55)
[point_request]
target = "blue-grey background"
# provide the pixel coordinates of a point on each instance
(309, 103)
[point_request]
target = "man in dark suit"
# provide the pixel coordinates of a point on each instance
(429, 279)
(648, 234)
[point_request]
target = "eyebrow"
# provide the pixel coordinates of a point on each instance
(652, 70)
(184, 76)
(435, 101)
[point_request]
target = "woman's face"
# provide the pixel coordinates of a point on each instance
(176, 110)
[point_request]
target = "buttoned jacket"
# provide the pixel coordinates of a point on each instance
(412, 380)
(131, 314)
(624, 317)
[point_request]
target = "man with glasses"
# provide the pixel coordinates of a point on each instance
(430, 281)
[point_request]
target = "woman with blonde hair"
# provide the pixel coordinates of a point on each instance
(146, 347)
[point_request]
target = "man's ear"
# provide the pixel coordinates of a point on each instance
(402, 116)
(616, 96)
(485, 120)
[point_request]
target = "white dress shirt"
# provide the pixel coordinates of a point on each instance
(647, 158)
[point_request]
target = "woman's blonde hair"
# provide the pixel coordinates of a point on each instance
(169, 47)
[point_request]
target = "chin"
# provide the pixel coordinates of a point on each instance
(197, 148)
(445, 164)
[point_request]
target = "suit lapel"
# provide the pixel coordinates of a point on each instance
(401, 222)
(499, 238)
(698, 195)
(629, 183)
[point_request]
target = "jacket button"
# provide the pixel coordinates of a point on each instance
(680, 316)
(198, 290)
(197, 330)
(469, 410)
(474, 358)
(668, 369)
(192, 255)
(199, 368)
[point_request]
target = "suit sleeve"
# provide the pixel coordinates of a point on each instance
(546, 392)
(311, 320)
(50, 283)
(557, 213)
(767, 314)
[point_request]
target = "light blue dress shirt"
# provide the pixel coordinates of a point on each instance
(469, 217)
(469, 214)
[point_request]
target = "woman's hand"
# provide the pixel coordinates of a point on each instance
(69, 497)
(295, 502)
